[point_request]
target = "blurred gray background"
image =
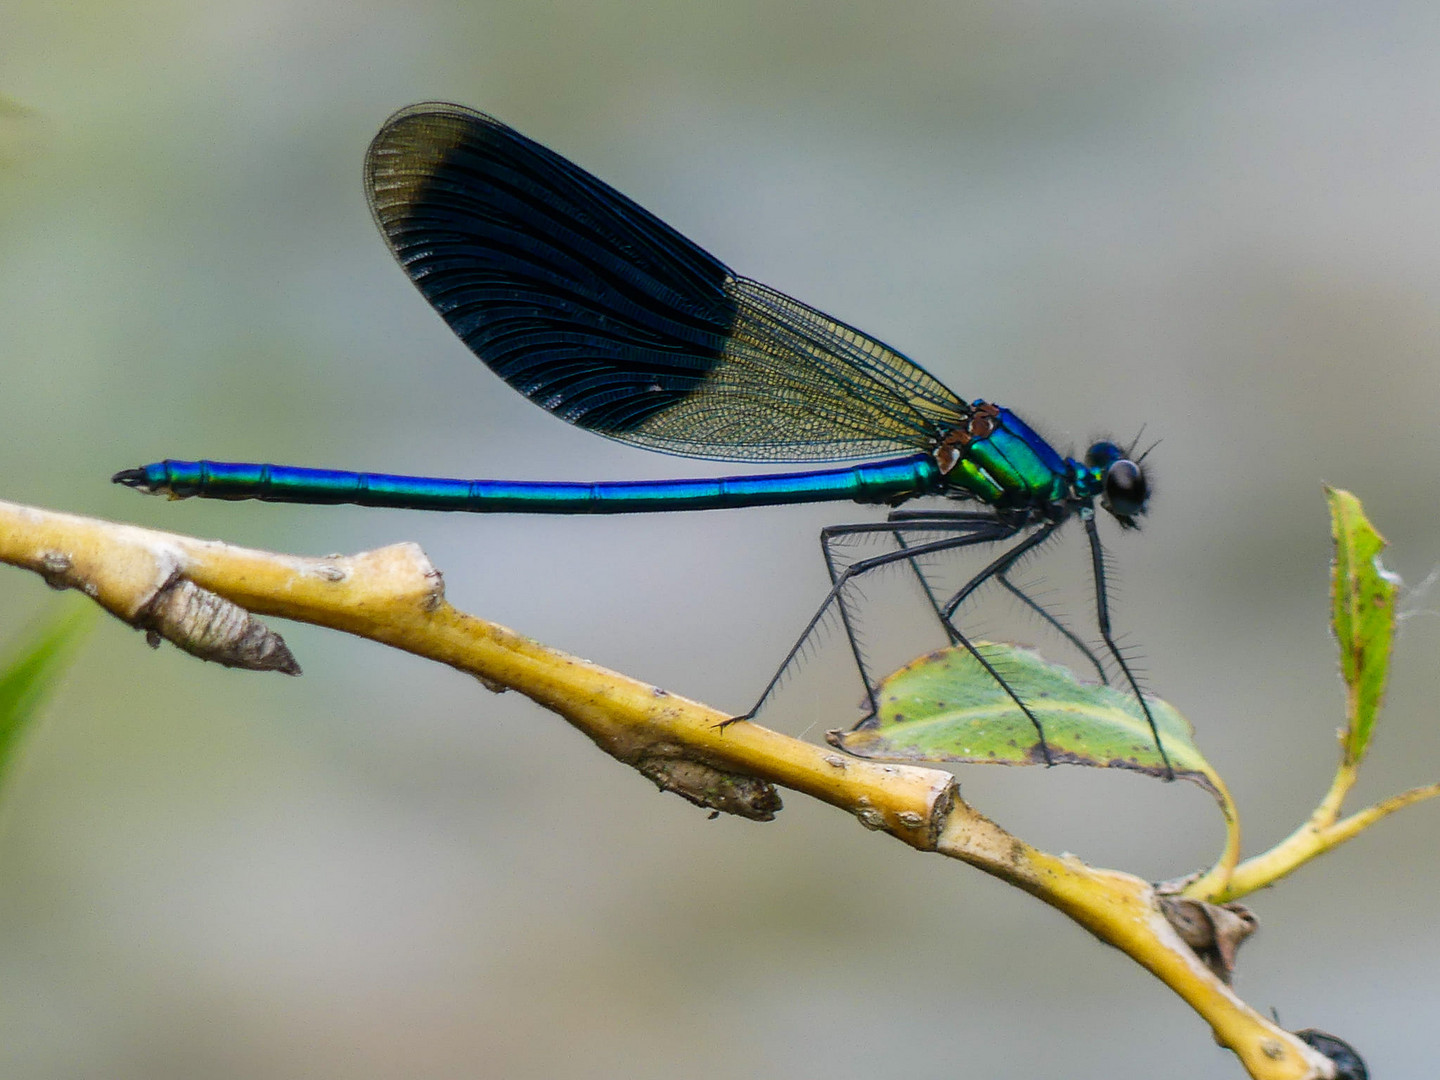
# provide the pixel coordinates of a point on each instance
(1217, 220)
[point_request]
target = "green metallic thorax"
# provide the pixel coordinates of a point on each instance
(1006, 464)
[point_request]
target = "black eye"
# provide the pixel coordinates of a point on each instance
(1102, 454)
(1125, 490)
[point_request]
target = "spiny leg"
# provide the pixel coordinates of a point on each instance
(1004, 578)
(925, 585)
(897, 524)
(1000, 566)
(827, 536)
(940, 518)
(1055, 624)
(959, 521)
(1102, 617)
(977, 530)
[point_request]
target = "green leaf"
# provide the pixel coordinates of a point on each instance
(1363, 596)
(946, 707)
(32, 670)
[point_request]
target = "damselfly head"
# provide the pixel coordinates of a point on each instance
(1125, 490)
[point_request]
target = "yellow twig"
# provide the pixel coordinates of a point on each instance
(200, 593)
(1212, 884)
(1321, 832)
(1314, 838)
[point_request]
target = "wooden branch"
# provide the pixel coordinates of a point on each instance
(203, 595)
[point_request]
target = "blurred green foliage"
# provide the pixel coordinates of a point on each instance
(31, 671)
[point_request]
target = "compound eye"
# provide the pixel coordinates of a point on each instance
(1103, 454)
(1125, 489)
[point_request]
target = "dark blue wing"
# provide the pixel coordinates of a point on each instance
(601, 313)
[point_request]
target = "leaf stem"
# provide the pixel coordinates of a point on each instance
(1319, 834)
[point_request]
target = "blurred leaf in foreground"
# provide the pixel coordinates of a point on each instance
(1363, 596)
(30, 671)
(946, 707)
